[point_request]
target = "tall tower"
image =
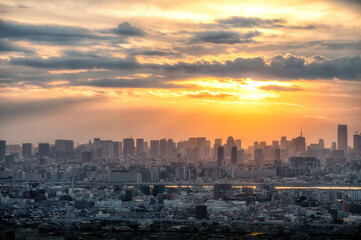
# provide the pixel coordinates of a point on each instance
(2, 149)
(27, 150)
(234, 155)
(128, 147)
(220, 156)
(342, 137)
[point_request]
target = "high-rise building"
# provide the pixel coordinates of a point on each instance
(2, 149)
(300, 145)
(283, 142)
(357, 143)
(333, 146)
(321, 144)
(277, 153)
(220, 154)
(230, 143)
(64, 149)
(342, 137)
(170, 148)
(217, 143)
(162, 147)
(27, 150)
(275, 144)
(258, 156)
(234, 155)
(43, 149)
(238, 143)
(154, 148)
(139, 146)
(128, 147)
(240, 156)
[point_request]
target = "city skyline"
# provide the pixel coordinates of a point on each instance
(252, 69)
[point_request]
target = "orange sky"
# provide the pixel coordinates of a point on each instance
(255, 70)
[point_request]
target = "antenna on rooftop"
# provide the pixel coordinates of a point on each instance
(301, 130)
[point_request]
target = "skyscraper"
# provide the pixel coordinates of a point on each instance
(220, 154)
(64, 149)
(357, 143)
(139, 146)
(27, 150)
(258, 156)
(342, 137)
(163, 147)
(128, 147)
(43, 149)
(234, 155)
(2, 149)
(154, 148)
(217, 143)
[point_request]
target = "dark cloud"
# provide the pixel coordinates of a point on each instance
(152, 53)
(50, 34)
(256, 22)
(7, 46)
(280, 88)
(76, 62)
(126, 29)
(65, 35)
(252, 22)
(282, 67)
(151, 82)
(223, 37)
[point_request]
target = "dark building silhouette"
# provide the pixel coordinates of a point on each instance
(342, 137)
(139, 146)
(258, 156)
(300, 144)
(277, 153)
(64, 150)
(154, 148)
(128, 147)
(220, 156)
(27, 150)
(240, 156)
(234, 155)
(2, 149)
(162, 147)
(357, 143)
(43, 149)
(201, 212)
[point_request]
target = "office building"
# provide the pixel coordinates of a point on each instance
(357, 143)
(258, 156)
(27, 150)
(43, 149)
(234, 155)
(128, 147)
(64, 150)
(220, 156)
(342, 137)
(154, 148)
(139, 146)
(2, 149)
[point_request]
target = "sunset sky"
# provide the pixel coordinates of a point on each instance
(255, 70)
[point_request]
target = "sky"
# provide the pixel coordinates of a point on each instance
(255, 70)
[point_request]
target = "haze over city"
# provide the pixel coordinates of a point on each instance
(153, 69)
(156, 119)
